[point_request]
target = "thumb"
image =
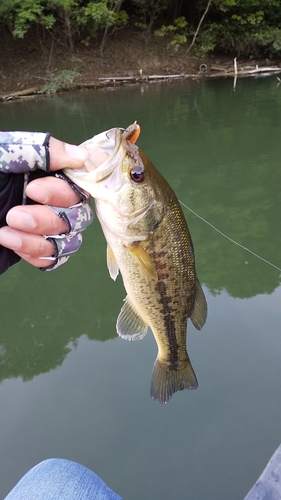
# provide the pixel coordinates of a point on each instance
(64, 155)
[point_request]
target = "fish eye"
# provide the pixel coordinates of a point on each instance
(137, 174)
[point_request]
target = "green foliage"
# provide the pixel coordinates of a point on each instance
(20, 14)
(96, 15)
(66, 13)
(121, 18)
(149, 11)
(240, 27)
(153, 8)
(253, 18)
(207, 40)
(65, 16)
(176, 31)
(60, 81)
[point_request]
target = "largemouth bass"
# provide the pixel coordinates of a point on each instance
(149, 242)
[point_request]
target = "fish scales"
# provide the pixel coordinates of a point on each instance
(176, 282)
(149, 242)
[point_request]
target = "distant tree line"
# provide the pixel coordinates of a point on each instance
(240, 27)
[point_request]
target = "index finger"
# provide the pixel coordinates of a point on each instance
(52, 191)
(65, 155)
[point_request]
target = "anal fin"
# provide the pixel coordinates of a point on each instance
(200, 309)
(129, 324)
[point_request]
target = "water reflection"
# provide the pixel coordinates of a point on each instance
(227, 152)
(45, 313)
(220, 152)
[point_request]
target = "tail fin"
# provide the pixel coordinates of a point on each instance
(165, 380)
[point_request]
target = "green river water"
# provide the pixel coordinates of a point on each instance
(70, 388)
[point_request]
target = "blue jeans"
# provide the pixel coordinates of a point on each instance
(61, 479)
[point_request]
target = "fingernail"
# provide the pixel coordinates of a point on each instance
(19, 219)
(76, 152)
(10, 239)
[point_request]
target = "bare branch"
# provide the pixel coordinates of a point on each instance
(199, 25)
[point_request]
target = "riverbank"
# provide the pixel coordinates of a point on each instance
(34, 66)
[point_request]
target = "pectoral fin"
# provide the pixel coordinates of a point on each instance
(111, 263)
(129, 324)
(144, 259)
(199, 313)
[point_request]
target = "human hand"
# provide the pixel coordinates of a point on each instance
(28, 223)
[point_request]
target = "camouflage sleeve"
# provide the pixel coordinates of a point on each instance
(24, 152)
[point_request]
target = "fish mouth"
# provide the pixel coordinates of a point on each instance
(109, 145)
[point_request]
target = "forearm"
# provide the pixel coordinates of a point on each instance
(24, 152)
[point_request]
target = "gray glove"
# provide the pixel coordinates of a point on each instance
(78, 218)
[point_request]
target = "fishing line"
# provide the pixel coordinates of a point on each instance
(230, 239)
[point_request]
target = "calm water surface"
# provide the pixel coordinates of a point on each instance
(70, 388)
